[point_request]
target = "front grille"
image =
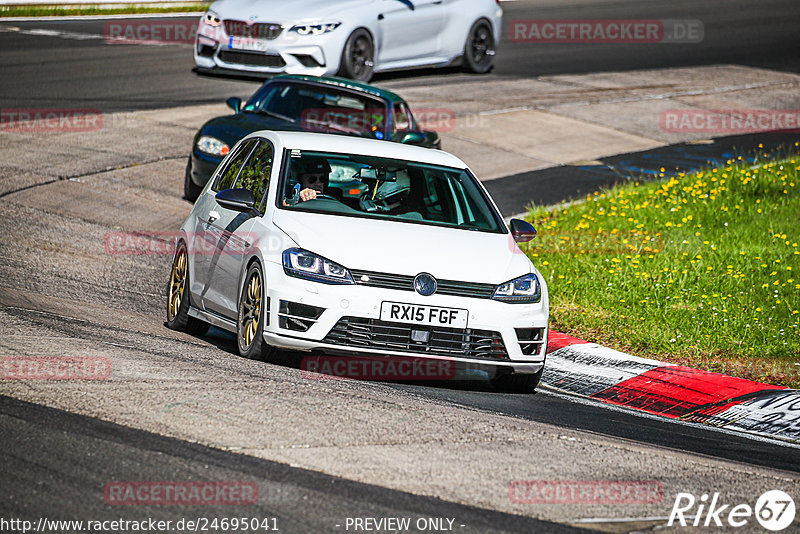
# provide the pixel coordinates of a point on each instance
(296, 316)
(306, 60)
(204, 50)
(531, 340)
(406, 283)
(453, 342)
(255, 59)
(258, 30)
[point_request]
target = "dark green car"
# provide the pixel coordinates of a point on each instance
(304, 103)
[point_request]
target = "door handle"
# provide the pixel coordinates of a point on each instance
(213, 216)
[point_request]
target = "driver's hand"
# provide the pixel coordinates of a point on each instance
(307, 194)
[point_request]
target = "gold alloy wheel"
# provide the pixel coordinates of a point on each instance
(177, 283)
(251, 310)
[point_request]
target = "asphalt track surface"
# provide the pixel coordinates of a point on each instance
(43, 451)
(44, 71)
(46, 469)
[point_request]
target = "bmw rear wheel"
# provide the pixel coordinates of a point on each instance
(358, 56)
(479, 50)
(251, 317)
(178, 296)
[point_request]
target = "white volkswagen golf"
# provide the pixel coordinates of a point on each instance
(353, 38)
(344, 246)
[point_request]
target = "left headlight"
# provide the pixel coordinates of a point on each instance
(212, 145)
(212, 19)
(524, 289)
(307, 265)
(315, 29)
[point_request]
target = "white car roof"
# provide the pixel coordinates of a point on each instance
(343, 144)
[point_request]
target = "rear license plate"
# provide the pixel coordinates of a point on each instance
(422, 314)
(248, 43)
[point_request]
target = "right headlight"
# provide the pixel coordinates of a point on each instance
(212, 145)
(301, 263)
(525, 289)
(315, 29)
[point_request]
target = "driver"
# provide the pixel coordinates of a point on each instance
(311, 175)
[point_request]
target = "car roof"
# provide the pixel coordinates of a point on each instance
(344, 84)
(341, 144)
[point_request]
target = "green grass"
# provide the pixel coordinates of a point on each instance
(700, 269)
(61, 11)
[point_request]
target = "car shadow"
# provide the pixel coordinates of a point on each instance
(398, 75)
(416, 73)
(232, 75)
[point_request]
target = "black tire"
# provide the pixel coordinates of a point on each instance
(358, 56)
(250, 319)
(178, 296)
(479, 50)
(517, 383)
(190, 189)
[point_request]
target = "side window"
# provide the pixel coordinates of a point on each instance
(227, 176)
(255, 174)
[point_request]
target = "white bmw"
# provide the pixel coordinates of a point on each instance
(419, 264)
(352, 38)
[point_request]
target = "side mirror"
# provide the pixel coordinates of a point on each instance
(235, 103)
(413, 138)
(238, 200)
(522, 231)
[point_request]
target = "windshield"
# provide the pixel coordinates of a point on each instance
(374, 187)
(322, 109)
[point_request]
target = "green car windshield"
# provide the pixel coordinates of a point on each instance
(390, 189)
(319, 108)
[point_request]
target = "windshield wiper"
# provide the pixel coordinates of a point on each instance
(274, 115)
(331, 125)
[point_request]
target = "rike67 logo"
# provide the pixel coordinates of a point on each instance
(774, 510)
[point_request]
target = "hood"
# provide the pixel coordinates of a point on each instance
(231, 128)
(406, 248)
(281, 11)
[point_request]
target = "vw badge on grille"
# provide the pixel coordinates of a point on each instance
(425, 284)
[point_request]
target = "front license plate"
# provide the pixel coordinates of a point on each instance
(422, 314)
(248, 43)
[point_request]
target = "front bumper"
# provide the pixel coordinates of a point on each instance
(345, 319)
(287, 54)
(203, 167)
